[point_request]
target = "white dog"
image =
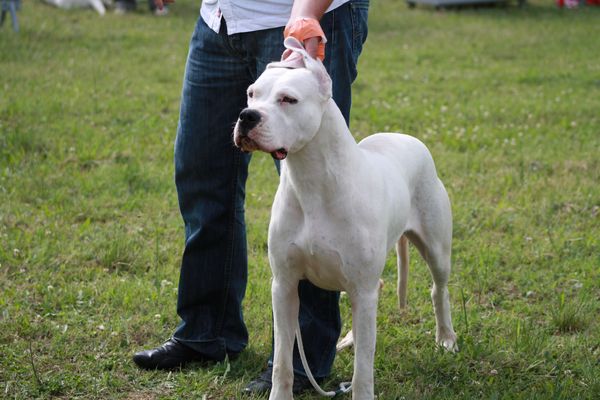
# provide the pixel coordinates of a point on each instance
(340, 208)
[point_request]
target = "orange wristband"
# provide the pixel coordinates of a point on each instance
(305, 28)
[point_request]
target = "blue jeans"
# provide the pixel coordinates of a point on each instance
(210, 175)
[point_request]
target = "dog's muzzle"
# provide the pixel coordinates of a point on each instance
(248, 119)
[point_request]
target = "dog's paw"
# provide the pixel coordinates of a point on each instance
(347, 341)
(448, 342)
(450, 345)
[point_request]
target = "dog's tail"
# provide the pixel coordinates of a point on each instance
(402, 252)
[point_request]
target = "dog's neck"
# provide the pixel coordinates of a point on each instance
(318, 170)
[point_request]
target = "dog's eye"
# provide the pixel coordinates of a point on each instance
(250, 94)
(289, 100)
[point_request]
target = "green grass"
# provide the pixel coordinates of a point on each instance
(508, 101)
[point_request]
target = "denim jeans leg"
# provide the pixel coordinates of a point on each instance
(210, 175)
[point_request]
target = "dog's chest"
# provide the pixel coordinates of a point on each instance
(318, 263)
(327, 254)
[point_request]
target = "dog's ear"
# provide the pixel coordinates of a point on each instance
(299, 58)
(319, 71)
(293, 57)
(312, 64)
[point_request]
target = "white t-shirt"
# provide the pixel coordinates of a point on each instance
(250, 15)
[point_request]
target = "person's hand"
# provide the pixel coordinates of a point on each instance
(160, 4)
(308, 31)
(311, 45)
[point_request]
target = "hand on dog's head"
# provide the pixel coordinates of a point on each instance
(296, 56)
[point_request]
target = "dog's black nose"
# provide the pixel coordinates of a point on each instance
(249, 118)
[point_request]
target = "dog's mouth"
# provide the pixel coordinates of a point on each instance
(279, 154)
(246, 144)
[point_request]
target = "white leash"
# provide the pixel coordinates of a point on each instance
(345, 387)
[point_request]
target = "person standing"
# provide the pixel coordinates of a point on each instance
(232, 43)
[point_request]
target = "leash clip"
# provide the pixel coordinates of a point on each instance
(345, 387)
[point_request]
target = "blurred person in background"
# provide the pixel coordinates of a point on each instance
(125, 6)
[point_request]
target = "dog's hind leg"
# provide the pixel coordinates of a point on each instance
(439, 265)
(432, 235)
(402, 253)
(438, 260)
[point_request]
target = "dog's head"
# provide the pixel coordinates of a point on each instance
(285, 105)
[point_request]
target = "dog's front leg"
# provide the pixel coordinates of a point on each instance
(364, 314)
(285, 314)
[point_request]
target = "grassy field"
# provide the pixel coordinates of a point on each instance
(507, 99)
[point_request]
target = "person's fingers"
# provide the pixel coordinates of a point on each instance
(312, 46)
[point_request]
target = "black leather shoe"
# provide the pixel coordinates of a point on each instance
(172, 354)
(263, 383)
